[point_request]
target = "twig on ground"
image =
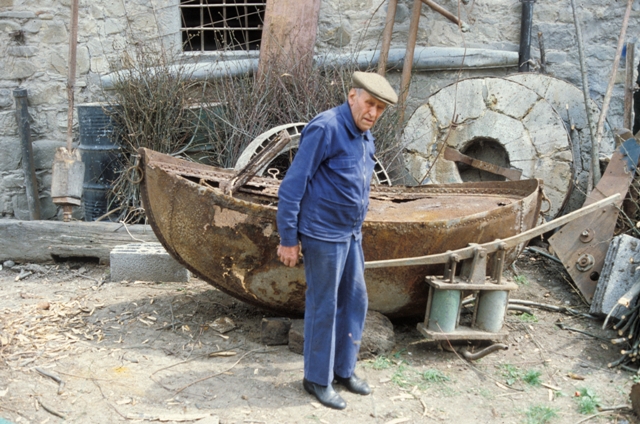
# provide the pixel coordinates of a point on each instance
(51, 411)
(577, 330)
(218, 373)
(53, 377)
(191, 359)
(593, 416)
(551, 308)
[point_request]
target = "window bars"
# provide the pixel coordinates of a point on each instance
(221, 24)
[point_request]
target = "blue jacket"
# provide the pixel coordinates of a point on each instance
(325, 193)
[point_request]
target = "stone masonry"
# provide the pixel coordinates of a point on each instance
(34, 38)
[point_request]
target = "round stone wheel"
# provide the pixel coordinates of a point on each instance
(279, 165)
(568, 101)
(495, 120)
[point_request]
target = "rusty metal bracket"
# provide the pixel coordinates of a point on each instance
(582, 245)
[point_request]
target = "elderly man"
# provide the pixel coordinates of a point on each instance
(323, 200)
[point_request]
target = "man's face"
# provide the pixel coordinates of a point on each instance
(365, 108)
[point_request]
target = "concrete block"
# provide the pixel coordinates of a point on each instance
(617, 276)
(146, 262)
(275, 331)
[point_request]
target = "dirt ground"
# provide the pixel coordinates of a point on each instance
(148, 352)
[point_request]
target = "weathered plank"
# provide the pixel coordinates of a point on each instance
(43, 241)
(289, 35)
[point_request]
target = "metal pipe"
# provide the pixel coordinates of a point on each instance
(28, 167)
(425, 59)
(408, 59)
(386, 36)
(525, 35)
(595, 166)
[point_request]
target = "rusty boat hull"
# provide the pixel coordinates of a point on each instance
(231, 242)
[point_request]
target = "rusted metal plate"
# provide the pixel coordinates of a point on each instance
(456, 156)
(582, 244)
(231, 242)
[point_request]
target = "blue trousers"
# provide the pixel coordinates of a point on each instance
(335, 309)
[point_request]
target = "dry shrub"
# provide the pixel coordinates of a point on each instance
(159, 107)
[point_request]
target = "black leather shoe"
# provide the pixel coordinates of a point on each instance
(325, 394)
(354, 384)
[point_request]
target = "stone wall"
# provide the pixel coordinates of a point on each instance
(34, 38)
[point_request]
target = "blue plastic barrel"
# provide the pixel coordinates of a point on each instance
(101, 155)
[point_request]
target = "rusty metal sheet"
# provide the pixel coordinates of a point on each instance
(231, 242)
(582, 244)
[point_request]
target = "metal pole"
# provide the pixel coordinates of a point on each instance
(386, 36)
(629, 84)
(408, 59)
(24, 131)
(525, 35)
(595, 164)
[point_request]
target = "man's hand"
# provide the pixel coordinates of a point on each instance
(288, 255)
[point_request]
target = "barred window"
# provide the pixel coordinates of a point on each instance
(221, 24)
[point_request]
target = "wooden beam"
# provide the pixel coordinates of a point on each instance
(44, 241)
(288, 35)
(386, 36)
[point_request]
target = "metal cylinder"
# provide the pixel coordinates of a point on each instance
(492, 305)
(100, 153)
(24, 131)
(525, 35)
(443, 316)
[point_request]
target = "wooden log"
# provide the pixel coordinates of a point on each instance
(45, 241)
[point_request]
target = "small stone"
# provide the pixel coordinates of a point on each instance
(43, 305)
(8, 264)
(296, 336)
(275, 331)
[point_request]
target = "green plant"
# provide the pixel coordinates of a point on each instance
(521, 279)
(399, 377)
(381, 363)
(434, 376)
(538, 414)
(525, 317)
(588, 401)
(532, 377)
(511, 373)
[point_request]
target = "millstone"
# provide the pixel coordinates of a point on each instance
(568, 101)
(495, 120)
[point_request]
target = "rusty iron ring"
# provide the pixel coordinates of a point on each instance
(134, 168)
(545, 199)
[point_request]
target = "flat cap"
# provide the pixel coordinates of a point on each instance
(376, 85)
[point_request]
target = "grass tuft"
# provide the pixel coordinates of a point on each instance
(538, 414)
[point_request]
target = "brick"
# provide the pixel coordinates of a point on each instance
(145, 262)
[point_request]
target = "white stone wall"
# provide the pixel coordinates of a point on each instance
(34, 36)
